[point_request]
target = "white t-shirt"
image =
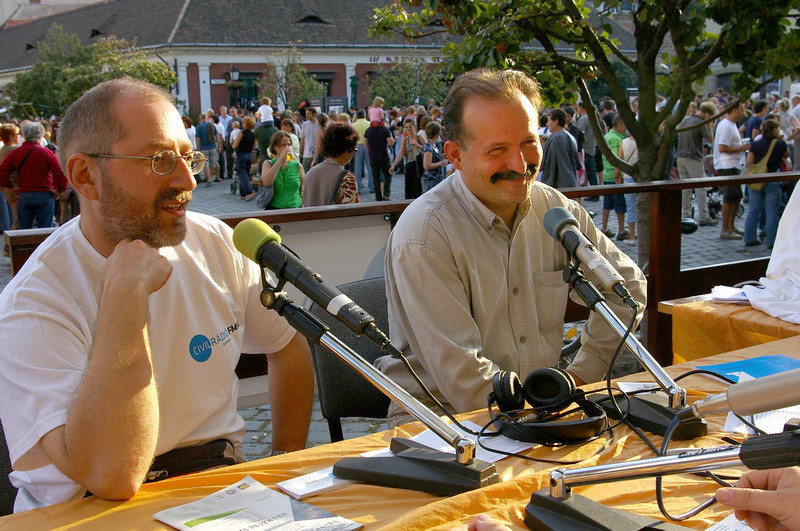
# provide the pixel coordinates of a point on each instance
(190, 132)
(630, 152)
(295, 145)
(206, 314)
(266, 113)
(308, 133)
(728, 135)
(234, 135)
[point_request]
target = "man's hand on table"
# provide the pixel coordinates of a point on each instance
(767, 499)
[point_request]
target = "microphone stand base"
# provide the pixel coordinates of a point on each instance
(578, 513)
(418, 467)
(650, 412)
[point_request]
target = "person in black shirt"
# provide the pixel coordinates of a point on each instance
(243, 145)
(767, 199)
(378, 140)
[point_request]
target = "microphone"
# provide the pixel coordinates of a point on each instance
(258, 242)
(771, 392)
(562, 226)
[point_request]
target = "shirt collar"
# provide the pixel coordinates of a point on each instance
(488, 219)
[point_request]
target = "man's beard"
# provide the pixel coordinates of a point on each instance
(533, 169)
(124, 216)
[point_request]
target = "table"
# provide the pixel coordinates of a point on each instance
(387, 508)
(705, 328)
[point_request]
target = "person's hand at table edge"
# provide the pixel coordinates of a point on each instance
(766, 499)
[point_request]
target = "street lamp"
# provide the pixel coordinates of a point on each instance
(233, 86)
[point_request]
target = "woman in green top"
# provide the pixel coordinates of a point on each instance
(283, 172)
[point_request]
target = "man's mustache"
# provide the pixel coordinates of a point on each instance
(181, 196)
(533, 169)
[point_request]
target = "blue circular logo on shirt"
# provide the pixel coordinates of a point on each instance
(200, 348)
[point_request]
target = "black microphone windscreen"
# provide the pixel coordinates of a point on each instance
(556, 218)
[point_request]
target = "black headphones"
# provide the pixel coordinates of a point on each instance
(548, 391)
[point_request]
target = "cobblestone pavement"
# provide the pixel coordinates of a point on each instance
(701, 248)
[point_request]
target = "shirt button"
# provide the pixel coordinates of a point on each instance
(522, 339)
(515, 291)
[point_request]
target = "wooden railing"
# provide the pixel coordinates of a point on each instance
(666, 279)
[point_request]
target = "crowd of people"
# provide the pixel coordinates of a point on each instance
(35, 191)
(714, 139)
(410, 140)
(243, 146)
(404, 140)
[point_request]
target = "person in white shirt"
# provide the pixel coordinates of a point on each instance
(265, 111)
(236, 131)
(796, 114)
(190, 131)
(308, 137)
(728, 149)
(224, 119)
(122, 332)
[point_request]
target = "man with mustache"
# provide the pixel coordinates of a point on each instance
(474, 282)
(122, 331)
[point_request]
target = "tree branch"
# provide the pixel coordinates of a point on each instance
(712, 55)
(415, 36)
(594, 122)
(618, 53)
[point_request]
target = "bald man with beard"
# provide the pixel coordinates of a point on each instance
(122, 332)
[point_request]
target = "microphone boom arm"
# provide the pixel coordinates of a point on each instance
(595, 301)
(757, 453)
(313, 329)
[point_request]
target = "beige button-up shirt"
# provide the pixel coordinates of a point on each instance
(467, 296)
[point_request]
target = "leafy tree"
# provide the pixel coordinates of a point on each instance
(285, 79)
(565, 43)
(599, 88)
(407, 81)
(66, 69)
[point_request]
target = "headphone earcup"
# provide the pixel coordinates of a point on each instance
(507, 391)
(548, 388)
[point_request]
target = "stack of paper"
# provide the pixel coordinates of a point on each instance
(250, 505)
(728, 294)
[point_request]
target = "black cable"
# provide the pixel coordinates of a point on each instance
(624, 416)
(727, 380)
(659, 495)
(510, 418)
(436, 402)
(704, 371)
(549, 445)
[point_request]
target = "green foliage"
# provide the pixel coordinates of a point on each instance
(66, 69)
(599, 88)
(567, 45)
(287, 80)
(407, 81)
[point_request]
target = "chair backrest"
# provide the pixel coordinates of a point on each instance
(7, 491)
(342, 391)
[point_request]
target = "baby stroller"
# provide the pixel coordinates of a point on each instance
(714, 194)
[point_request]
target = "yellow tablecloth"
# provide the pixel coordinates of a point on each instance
(387, 508)
(706, 328)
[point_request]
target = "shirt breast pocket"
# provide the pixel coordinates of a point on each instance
(551, 294)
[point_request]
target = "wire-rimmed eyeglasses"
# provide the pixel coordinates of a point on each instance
(163, 162)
